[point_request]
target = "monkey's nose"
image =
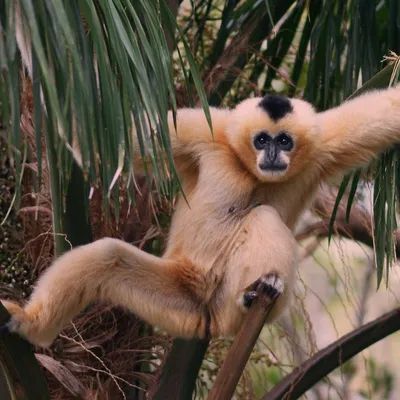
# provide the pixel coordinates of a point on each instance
(271, 154)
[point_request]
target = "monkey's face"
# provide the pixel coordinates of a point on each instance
(273, 136)
(273, 152)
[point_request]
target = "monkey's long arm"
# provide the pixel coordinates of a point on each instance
(112, 271)
(190, 138)
(359, 129)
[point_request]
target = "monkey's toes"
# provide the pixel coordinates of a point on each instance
(271, 285)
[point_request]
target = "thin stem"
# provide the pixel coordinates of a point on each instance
(55, 191)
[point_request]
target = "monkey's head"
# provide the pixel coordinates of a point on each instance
(273, 136)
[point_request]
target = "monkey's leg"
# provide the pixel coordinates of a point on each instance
(265, 253)
(109, 270)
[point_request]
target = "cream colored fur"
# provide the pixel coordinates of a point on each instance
(219, 244)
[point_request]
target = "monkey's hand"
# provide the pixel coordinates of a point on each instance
(271, 285)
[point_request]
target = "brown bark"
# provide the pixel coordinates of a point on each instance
(236, 359)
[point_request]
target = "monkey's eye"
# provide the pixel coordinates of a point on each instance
(261, 140)
(284, 141)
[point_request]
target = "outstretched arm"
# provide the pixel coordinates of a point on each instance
(358, 130)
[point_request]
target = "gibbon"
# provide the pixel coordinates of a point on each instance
(245, 188)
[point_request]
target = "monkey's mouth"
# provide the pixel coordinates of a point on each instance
(273, 167)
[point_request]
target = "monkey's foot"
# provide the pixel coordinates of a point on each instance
(27, 324)
(271, 285)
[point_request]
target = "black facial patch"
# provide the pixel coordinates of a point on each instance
(276, 106)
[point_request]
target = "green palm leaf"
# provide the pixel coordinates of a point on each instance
(98, 69)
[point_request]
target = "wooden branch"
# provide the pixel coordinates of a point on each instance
(326, 360)
(180, 372)
(236, 359)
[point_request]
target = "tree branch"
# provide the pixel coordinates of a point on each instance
(236, 359)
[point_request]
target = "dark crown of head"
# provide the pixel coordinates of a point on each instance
(276, 106)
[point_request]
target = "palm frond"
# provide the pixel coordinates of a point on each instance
(98, 70)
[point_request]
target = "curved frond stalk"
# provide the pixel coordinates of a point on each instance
(326, 360)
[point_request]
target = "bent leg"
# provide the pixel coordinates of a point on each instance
(112, 271)
(266, 252)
